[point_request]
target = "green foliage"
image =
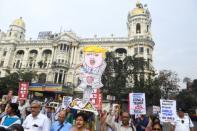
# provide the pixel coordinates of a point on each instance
(11, 80)
(124, 76)
(168, 81)
(187, 98)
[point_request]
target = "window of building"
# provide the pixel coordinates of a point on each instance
(18, 64)
(148, 51)
(141, 49)
(147, 28)
(135, 50)
(61, 47)
(138, 28)
(4, 53)
(55, 78)
(64, 46)
(1, 64)
(60, 77)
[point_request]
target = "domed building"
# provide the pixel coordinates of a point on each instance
(54, 55)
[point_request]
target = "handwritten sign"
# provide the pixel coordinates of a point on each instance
(137, 103)
(23, 90)
(96, 99)
(168, 110)
(66, 101)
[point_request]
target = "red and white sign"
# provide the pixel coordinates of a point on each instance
(23, 90)
(96, 99)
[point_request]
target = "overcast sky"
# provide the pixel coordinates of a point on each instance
(174, 24)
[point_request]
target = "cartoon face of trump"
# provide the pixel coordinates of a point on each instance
(94, 56)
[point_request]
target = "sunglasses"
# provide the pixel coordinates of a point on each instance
(156, 129)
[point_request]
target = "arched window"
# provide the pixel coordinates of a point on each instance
(147, 28)
(138, 28)
(42, 78)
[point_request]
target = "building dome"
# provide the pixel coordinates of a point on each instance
(19, 22)
(138, 10)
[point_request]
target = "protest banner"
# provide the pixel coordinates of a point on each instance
(156, 109)
(23, 90)
(79, 105)
(66, 101)
(137, 103)
(96, 99)
(168, 110)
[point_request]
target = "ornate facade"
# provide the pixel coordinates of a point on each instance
(54, 56)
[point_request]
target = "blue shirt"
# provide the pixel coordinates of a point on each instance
(56, 125)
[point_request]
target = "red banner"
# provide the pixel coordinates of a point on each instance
(96, 99)
(23, 90)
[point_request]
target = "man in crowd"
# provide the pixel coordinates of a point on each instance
(36, 121)
(141, 123)
(182, 122)
(61, 124)
(122, 125)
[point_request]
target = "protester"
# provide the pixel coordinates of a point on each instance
(61, 124)
(2, 129)
(122, 125)
(12, 116)
(103, 125)
(49, 113)
(80, 123)
(36, 121)
(141, 123)
(69, 116)
(22, 108)
(156, 127)
(182, 122)
(8, 98)
(15, 127)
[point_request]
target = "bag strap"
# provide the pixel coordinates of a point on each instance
(60, 127)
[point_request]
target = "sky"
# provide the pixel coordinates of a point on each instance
(174, 25)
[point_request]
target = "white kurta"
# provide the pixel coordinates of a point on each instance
(39, 123)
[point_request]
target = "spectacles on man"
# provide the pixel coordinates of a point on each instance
(156, 129)
(34, 107)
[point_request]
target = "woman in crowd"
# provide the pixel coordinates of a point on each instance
(156, 127)
(15, 127)
(80, 121)
(12, 116)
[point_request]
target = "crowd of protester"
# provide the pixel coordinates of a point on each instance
(35, 116)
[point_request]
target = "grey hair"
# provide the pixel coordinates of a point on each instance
(36, 102)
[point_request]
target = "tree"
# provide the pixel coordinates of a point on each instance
(168, 81)
(128, 75)
(11, 80)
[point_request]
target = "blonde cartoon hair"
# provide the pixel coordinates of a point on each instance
(95, 49)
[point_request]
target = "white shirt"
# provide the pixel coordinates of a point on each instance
(118, 126)
(39, 123)
(183, 124)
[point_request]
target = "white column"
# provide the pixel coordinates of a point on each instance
(62, 77)
(38, 58)
(57, 76)
(25, 59)
(72, 50)
(74, 55)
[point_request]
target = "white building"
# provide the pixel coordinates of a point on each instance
(53, 56)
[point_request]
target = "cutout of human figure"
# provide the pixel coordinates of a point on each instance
(91, 70)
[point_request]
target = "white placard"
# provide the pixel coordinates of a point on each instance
(66, 101)
(156, 109)
(137, 103)
(168, 110)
